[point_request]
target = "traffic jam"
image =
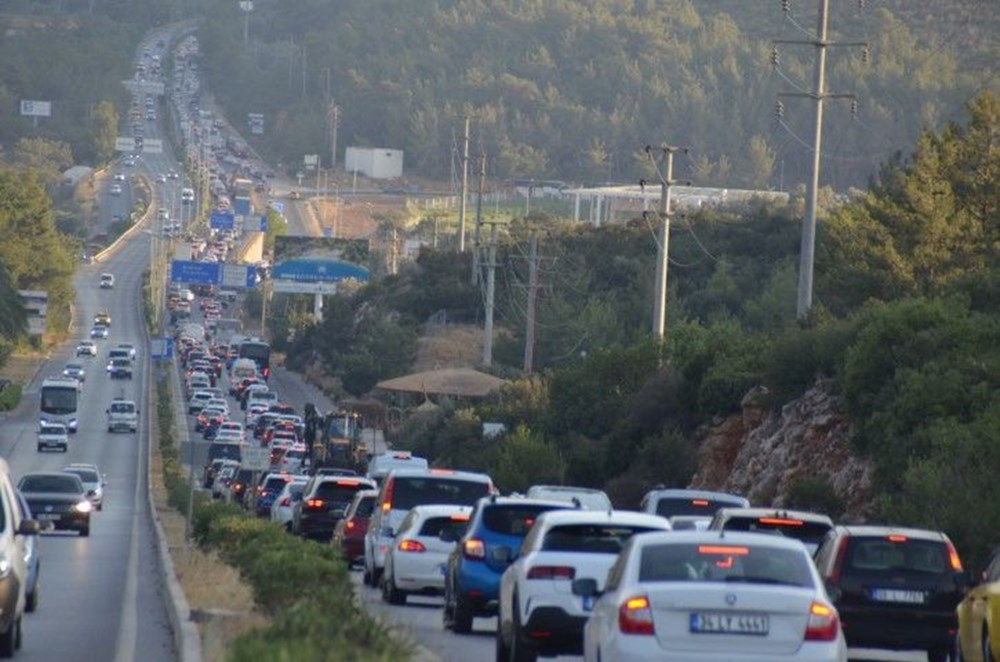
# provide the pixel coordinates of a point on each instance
(558, 570)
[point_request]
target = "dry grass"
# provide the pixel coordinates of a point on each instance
(22, 368)
(451, 346)
(211, 587)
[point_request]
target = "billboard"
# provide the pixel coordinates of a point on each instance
(314, 265)
(36, 108)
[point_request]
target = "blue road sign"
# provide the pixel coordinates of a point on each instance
(162, 349)
(221, 220)
(263, 223)
(239, 275)
(242, 206)
(195, 273)
(305, 270)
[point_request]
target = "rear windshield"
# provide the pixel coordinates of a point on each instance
(434, 526)
(86, 475)
(67, 484)
(274, 484)
(670, 506)
(693, 562)
(338, 492)
(810, 533)
(512, 520)
(410, 491)
(224, 451)
(590, 538)
(906, 555)
(365, 507)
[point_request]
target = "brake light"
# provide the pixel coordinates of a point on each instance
(699, 502)
(956, 562)
(778, 521)
(314, 503)
(287, 501)
(474, 549)
(459, 518)
(551, 572)
(387, 497)
(635, 617)
(897, 538)
(353, 483)
(411, 546)
(838, 561)
(350, 524)
(725, 550)
(823, 624)
(442, 472)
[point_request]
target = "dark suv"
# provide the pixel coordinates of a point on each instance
(894, 588)
(472, 577)
(324, 501)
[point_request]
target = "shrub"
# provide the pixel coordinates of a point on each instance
(10, 396)
(815, 494)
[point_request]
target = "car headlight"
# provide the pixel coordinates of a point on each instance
(83, 507)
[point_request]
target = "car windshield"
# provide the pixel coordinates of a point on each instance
(810, 533)
(227, 451)
(86, 475)
(897, 554)
(512, 520)
(590, 538)
(66, 484)
(410, 491)
(589, 499)
(435, 526)
(338, 492)
(274, 485)
(723, 562)
(52, 429)
(122, 408)
(670, 506)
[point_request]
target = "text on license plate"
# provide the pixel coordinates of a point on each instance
(729, 623)
(47, 516)
(897, 595)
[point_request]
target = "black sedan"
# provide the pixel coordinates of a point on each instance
(58, 499)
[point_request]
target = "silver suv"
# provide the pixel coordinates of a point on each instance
(15, 532)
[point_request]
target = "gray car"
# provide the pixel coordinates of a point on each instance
(92, 481)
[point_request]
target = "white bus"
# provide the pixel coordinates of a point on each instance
(60, 398)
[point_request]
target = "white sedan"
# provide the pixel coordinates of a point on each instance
(711, 595)
(417, 559)
(284, 504)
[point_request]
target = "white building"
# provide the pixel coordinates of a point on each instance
(374, 162)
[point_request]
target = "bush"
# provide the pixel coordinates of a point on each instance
(10, 397)
(815, 494)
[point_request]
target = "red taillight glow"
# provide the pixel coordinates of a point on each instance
(897, 538)
(474, 549)
(442, 472)
(551, 572)
(349, 483)
(699, 502)
(953, 558)
(823, 624)
(778, 521)
(723, 550)
(411, 546)
(387, 497)
(459, 518)
(284, 503)
(635, 616)
(350, 524)
(314, 503)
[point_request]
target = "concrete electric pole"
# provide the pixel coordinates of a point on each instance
(491, 264)
(529, 331)
(465, 185)
(807, 248)
(667, 182)
(479, 220)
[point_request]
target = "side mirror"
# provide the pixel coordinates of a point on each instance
(501, 555)
(585, 587)
(29, 527)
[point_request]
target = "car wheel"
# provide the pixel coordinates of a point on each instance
(502, 649)
(41, 449)
(85, 531)
(366, 576)
(461, 616)
(31, 600)
(390, 593)
(519, 650)
(987, 651)
(8, 640)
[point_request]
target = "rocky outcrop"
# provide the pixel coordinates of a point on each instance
(761, 452)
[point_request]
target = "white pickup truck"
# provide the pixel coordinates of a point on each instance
(123, 416)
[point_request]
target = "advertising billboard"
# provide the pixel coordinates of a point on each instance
(311, 265)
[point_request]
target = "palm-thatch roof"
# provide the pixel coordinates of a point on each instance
(462, 382)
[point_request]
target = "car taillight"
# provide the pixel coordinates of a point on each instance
(287, 501)
(474, 549)
(552, 572)
(954, 559)
(838, 561)
(350, 524)
(635, 616)
(823, 624)
(411, 546)
(314, 503)
(387, 497)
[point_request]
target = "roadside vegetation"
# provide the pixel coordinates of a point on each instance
(906, 328)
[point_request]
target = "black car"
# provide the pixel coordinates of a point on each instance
(324, 501)
(240, 486)
(894, 588)
(58, 499)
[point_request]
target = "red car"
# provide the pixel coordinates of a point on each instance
(349, 534)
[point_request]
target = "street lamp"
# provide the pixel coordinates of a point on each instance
(246, 6)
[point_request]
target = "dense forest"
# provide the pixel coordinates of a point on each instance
(564, 89)
(906, 329)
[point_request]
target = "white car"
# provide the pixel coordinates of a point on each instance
(197, 401)
(218, 403)
(86, 348)
(116, 189)
(537, 612)
(226, 473)
(284, 504)
(587, 497)
(229, 435)
(711, 595)
(417, 559)
(253, 412)
(53, 435)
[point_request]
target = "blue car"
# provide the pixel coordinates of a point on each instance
(472, 577)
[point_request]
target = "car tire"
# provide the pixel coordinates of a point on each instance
(502, 649)
(31, 599)
(519, 650)
(8, 639)
(461, 617)
(41, 449)
(366, 576)
(987, 651)
(390, 593)
(85, 531)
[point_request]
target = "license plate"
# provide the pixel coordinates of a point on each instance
(732, 623)
(897, 595)
(48, 516)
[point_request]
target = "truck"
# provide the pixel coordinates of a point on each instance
(334, 439)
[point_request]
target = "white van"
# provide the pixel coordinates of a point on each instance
(242, 368)
(380, 465)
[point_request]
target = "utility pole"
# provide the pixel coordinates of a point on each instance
(491, 265)
(529, 331)
(667, 182)
(808, 243)
(479, 219)
(465, 185)
(333, 115)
